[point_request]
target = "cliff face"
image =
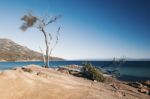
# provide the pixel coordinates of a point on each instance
(11, 51)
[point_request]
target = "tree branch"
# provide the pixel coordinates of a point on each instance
(57, 39)
(53, 19)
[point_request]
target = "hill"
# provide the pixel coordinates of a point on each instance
(11, 51)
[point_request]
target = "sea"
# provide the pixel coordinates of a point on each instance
(128, 71)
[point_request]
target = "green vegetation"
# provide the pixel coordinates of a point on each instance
(92, 73)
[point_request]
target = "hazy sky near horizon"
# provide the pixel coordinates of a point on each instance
(91, 29)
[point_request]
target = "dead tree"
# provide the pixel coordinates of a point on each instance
(42, 55)
(41, 23)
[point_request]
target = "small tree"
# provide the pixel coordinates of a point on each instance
(40, 24)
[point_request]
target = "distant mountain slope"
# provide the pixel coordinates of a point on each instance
(11, 51)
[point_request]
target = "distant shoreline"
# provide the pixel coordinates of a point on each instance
(30, 61)
(64, 60)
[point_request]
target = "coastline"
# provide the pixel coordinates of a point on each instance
(129, 69)
(29, 60)
(32, 81)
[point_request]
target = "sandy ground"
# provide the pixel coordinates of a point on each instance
(44, 83)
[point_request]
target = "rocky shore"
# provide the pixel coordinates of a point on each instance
(35, 82)
(143, 86)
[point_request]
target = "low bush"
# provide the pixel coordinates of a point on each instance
(92, 73)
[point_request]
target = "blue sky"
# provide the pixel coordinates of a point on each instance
(91, 29)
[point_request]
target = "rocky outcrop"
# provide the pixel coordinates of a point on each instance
(70, 69)
(63, 71)
(144, 90)
(143, 87)
(135, 84)
(146, 83)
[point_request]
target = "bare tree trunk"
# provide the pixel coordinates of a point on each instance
(43, 55)
(47, 48)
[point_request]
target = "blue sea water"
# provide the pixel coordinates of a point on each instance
(130, 71)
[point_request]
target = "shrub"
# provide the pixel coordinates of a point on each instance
(92, 73)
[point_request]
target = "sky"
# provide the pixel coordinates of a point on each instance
(91, 29)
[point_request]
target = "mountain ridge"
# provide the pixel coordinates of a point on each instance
(11, 51)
